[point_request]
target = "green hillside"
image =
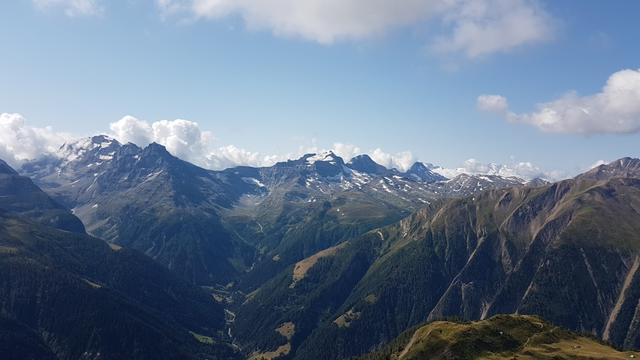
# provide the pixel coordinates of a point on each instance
(503, 337)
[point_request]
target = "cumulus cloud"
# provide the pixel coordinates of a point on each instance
(186, 140)
(614, 110)
(346, 151)
(471, 27)
(20, 142)
(523, 170)
(401, 160)
(183, 138)
(130, 129)
(71, 8)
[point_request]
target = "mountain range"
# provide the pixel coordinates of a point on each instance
(309, 258)
(567, 252)
(211, 226)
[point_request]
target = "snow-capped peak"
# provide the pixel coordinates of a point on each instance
(327, 156)
(74, 150)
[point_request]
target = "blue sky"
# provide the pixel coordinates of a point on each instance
(267, 90)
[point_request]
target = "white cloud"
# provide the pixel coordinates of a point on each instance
(324, 21)
(597, 163)
(483, 27)
(523, 170)
(401, 161)
(71, 8)
(346, 151)
(614, 110)
(230, 156)
(185, 139)
(182, 138)
(492, 103)
(472, 27)
(133, 130)
(20, 142)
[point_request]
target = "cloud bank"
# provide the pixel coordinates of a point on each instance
(185, 139)
(523, 170)
(401, 160)
(613, 110)
(473, 28)
(20, 142)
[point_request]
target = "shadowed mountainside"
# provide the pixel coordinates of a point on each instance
(67, 295)
(567, 252)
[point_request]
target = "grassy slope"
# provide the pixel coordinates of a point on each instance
(501, 337)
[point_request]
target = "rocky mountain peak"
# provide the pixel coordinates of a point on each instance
(155, 150)
(537, 182)
(418, 167)
(421, 172)
(154, 147)
(102, 146)
(6, 169)
(625, 167)
(365, 164)
(326, 156)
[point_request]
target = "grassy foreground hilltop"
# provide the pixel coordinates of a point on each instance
(519, 337)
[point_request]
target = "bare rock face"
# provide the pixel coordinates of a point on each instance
(623, 168)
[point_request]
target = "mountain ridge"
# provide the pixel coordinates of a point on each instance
(132, 196)
(500, 337)
(470, 258)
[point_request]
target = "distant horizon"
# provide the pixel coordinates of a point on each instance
(470, 167)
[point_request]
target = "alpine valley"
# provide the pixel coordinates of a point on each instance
(314, 258)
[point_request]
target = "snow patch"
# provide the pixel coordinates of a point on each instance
(324, 156)
(250, 180)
